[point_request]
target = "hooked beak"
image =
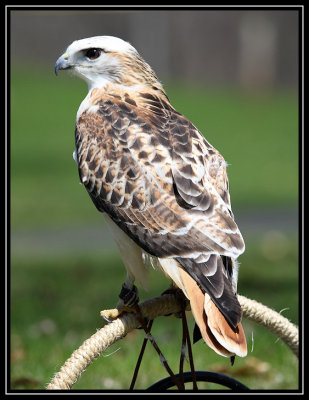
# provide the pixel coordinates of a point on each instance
(62, 63)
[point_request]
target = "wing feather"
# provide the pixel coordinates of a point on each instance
(165, 186)
(126, 167)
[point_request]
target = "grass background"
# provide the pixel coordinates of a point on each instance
(56, 299)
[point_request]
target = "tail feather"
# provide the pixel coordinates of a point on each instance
(233, 339)
(214, 328)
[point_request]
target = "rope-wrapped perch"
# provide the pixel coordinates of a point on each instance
(162, 305)
(273, 321)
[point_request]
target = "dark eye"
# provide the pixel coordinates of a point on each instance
(92, 54)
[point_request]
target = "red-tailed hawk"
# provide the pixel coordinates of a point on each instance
(162, 188)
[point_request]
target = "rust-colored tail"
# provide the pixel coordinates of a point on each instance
(214, 328)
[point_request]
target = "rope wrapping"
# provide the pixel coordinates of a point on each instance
(158, 306)
(273, 321)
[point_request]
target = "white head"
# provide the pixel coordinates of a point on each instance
(103, 59)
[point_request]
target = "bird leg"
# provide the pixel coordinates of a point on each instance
(128, 300)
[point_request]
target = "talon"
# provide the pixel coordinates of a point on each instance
(104, 317)
(109, 315)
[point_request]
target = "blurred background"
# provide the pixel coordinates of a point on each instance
(234, 74)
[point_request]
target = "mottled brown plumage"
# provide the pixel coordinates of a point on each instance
(160, 181)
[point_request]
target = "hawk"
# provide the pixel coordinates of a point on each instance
(161, 186)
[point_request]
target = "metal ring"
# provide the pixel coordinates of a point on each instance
(201, 376)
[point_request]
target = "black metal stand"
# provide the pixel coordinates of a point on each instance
(201, 376)
(178, 380)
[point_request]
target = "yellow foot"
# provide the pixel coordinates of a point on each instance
(114, 313)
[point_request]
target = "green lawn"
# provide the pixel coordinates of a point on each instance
(55, 301)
